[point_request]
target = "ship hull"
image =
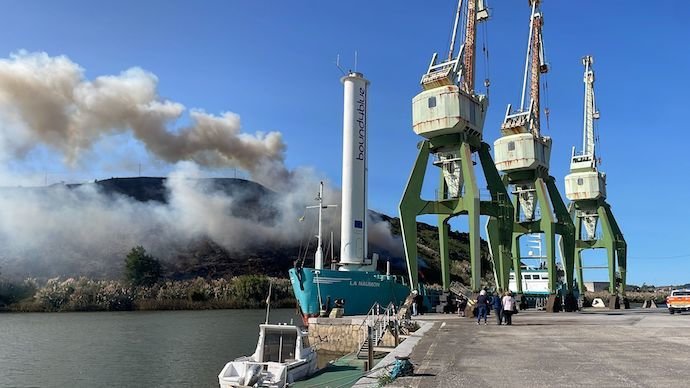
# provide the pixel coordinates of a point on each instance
(359, 290)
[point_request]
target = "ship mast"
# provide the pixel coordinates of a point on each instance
(318, 256)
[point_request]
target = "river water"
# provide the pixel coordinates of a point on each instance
(126, 349)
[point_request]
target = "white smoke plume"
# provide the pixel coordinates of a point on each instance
(58, 230)
(47, 101)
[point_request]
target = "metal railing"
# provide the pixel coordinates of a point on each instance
(377, 322)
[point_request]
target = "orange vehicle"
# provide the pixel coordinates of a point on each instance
(678, 301)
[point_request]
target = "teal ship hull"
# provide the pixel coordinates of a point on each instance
(359, 290)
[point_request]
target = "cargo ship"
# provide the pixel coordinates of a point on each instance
(353, 283)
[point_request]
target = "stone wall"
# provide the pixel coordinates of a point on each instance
(341, 335)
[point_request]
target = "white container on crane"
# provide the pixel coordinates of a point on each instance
(521, 146)
(443, 107)
(585, 185)
(446, 110)
(522, 151)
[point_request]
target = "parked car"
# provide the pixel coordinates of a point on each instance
(678, 301)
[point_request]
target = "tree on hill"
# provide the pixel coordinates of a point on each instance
(142, 269)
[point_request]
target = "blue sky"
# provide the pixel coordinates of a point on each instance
(273, 64)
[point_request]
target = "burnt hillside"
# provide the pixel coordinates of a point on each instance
(208, 258)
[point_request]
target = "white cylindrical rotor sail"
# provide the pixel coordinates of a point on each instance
(353, 229)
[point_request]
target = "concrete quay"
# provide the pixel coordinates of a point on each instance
(602, 348)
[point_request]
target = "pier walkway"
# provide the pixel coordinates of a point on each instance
(603, 348)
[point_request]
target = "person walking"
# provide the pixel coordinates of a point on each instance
(508, 303)
(498, 308)
(482, 306)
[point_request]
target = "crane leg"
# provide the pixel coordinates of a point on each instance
(411, 205)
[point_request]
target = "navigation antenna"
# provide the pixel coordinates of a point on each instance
(337, 64)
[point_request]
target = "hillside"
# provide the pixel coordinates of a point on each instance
(208, 258)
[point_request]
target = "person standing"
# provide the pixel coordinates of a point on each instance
(482, 306)
(498, 308)
(462, 305)
(508, 303)
(415, 307)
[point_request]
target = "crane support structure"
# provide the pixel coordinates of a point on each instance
(586, 190)
(449, 115)
(522, 153)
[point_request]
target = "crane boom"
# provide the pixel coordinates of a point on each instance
(458, 13)
(590, 111)
(459, 68)
(538, 66)
(529, 48)
(527, 119)
(470, 47)
(535, 72)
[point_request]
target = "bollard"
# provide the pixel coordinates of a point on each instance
(553, 303)
(396, 332)
(614, 302)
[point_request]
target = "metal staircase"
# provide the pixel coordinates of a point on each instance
(377, 322)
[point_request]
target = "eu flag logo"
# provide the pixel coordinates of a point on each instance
(358, 224)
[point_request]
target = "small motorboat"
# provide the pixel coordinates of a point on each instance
(282, 356)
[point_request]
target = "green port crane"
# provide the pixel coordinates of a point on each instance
(523, 154)
(449, 114)
(586, 189)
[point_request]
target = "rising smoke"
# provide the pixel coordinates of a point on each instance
(56, 230)
(47, 100)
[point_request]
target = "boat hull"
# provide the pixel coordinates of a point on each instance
(236, 374)
(281, 357)
(360, 290)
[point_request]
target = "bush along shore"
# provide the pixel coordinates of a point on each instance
(632, 296)
(83, 294)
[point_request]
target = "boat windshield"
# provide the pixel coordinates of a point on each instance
(279, 345)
